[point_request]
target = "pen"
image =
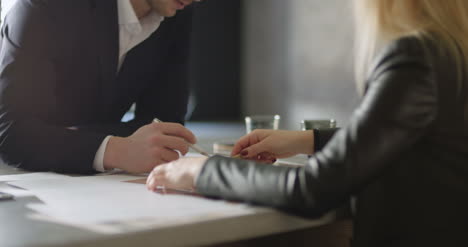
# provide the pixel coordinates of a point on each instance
(192, 146)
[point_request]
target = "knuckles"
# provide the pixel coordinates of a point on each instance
(156, 125)
(155, 139)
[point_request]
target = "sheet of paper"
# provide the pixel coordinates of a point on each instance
(193, 154)
(16, 192)
(105, 199)
(105, 228)
(30, 176)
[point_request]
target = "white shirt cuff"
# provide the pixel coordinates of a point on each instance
(98, 163)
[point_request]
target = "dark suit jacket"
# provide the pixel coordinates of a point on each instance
(404, 154)
(58, 68)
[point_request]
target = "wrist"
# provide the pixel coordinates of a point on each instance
(197, 170)
(115, 148)
(307, 142)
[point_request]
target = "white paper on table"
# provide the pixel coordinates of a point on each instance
(193, 155)
(105, 199)
(30, 176)
(16, 192)
(98, 228)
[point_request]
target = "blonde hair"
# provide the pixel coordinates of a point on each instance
(379, 22)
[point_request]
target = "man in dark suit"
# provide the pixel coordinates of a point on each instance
(70, 70)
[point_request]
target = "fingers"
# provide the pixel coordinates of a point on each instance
(159, 156)
(239, 146)
(266, 158)
(171, 142)
(156, 178)
(164, 176)
(175, 129)
(245, 142)
(254, 151)
(178, 174)
(168, 155)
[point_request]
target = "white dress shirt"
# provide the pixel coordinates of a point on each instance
(6, 6)
(132, 31)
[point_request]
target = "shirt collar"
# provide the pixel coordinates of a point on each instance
(129, 20)
(127, 15)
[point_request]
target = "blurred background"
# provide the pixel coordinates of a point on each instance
(256, 57)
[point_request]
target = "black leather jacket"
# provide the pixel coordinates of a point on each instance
(404, 155)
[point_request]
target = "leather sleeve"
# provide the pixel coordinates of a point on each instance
(27, 97)
(398, 108)
(322, 137)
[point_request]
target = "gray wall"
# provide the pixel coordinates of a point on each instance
(297, 60)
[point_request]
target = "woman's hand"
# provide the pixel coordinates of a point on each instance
(267, 145)
(179, 174)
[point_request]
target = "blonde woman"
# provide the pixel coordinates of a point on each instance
(404, 154)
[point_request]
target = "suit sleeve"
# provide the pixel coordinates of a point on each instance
(27, 97)
(399, 107)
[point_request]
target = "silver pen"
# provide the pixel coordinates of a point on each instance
(192, 146)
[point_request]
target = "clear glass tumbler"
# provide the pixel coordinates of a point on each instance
(262, 122)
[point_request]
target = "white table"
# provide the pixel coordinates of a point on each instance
(16, 229)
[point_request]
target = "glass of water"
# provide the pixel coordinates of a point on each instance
(309, 124)
(262, 122)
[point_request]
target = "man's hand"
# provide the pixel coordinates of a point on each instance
(149, 146)
(267, 145)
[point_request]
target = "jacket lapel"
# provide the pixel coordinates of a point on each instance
(108, 46)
